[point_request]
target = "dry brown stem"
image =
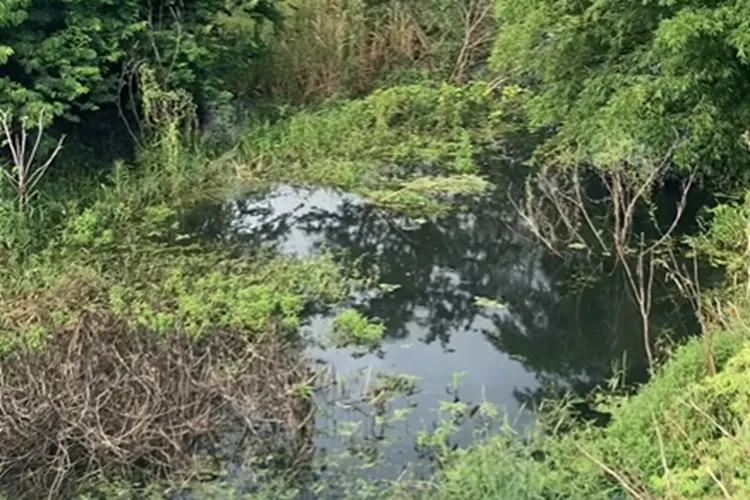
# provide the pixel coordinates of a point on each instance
(104, 398)
(559, 213)
(25, 173)
(479, 32)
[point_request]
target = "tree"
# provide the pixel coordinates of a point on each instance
(66, 57)
(621, 81)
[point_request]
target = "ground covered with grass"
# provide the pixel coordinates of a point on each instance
(679, 437)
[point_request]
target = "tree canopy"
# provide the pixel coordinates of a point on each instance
(617, 80)
(70, 56)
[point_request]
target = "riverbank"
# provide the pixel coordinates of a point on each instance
(119, 263)
(682, 435)
(146, 356)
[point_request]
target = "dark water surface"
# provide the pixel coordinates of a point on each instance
(559, 323)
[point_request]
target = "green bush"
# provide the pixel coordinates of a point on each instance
(682, 418)
(628, 81)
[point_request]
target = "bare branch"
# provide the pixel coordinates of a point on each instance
(25, 175)
(620, 478)
(104, 397)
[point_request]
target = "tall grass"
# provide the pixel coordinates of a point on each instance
(328, 46)
(332, 47)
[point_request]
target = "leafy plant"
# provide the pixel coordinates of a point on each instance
(351, 328)
(624, 82)
(68, 58)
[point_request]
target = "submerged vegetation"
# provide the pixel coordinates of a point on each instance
(137, 360)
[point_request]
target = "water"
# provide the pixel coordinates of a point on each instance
(557, 324)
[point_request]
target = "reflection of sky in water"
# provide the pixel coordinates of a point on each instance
(487, 373)
(294, 202)
(551, 329)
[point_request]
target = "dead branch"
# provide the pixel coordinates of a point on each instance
(662, 454)
(700, 456)
(478, 34)
(638, 492)
(560, 214)
(688, 284)
(25, 174)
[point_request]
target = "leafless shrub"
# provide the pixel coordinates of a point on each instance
(101, 397)
(560, 213)
(25, 173)
(478, 35)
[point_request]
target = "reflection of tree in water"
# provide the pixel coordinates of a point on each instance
(567, 320)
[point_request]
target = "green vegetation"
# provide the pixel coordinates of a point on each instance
(625, 82)
(399, 128)
(681, 436)
(350, 47)
(127, 343)
(69, 57)
(350, 327)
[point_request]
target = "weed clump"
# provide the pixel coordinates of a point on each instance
(352, 328)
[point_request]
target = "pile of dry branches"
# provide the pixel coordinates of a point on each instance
(105, 398)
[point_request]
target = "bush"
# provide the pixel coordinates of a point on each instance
(664, 442)
(620, 81)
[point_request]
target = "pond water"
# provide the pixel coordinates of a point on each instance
(555, 324)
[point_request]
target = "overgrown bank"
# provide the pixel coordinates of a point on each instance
(147, 328)
(106, 274)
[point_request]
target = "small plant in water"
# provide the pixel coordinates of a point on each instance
(488, 303)
(352, 328)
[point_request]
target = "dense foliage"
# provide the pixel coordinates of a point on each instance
(622, 81)
(675, 439)
(70, 56)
